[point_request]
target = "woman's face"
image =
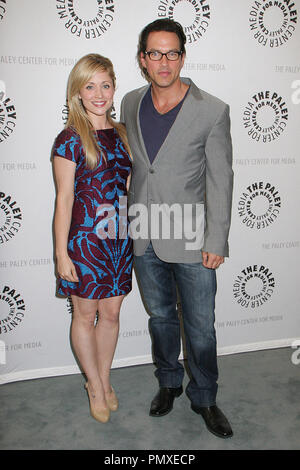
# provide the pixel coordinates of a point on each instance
(97, 98)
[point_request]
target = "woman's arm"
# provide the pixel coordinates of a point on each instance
(128, 182)
(64, 171)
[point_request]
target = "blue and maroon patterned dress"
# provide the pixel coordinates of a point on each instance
(98, 242)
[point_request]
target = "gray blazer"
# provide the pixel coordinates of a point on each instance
(190, 180)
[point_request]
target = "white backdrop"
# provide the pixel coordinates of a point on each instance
(246, 53)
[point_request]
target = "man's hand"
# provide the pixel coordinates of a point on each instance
(212, 261)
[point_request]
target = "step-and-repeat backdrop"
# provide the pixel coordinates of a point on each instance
(246, 53)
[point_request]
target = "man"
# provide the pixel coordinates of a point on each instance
(182, 164)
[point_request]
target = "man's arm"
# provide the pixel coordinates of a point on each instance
(219, 185)
(122, 113)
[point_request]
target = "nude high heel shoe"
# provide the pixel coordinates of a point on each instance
(112, 400)
(100, 414)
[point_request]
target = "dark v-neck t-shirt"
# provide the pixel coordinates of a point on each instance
(155, 126)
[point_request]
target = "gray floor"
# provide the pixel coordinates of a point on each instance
(258, 391)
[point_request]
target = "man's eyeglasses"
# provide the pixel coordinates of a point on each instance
(157, 55)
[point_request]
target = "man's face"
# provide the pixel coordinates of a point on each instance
(163, 73)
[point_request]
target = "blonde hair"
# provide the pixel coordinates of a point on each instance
(78, 119)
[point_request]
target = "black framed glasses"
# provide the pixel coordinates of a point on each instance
(157, 55)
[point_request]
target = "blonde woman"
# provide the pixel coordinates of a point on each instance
(94, 262)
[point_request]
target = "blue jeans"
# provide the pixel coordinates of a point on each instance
(159, 281)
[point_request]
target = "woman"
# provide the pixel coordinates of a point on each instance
(92, 168)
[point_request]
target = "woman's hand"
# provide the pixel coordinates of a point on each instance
(66, 269)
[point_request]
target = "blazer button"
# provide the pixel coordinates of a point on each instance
(151, 170)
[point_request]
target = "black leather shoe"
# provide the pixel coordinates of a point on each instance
(216, 422)
(162, 403)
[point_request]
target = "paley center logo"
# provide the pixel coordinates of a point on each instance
(10, 217)
(259, 205)
(193, 15)
(159, 221)
(12, 310)
(8, 114)
(2, 9)
(254, 286)
(88, 19)
(265, 116)
(273, 23)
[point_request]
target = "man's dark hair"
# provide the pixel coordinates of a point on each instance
(164, 24)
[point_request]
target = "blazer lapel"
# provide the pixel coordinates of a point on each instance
(138, 125)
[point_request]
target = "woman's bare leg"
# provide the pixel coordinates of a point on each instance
(107, 332)
(83, 336)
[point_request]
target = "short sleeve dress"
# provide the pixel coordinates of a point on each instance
(98, 243)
